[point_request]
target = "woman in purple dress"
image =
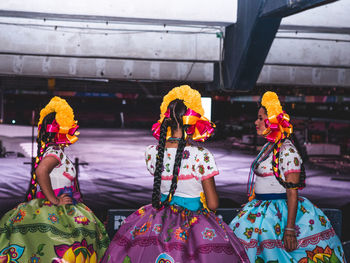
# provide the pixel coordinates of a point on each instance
(179, 225)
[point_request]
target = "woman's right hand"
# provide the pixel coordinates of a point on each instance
(63, 199)
(290, 240)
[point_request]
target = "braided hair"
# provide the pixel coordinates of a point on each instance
(177, 110)
(44, 140)
(275, 162)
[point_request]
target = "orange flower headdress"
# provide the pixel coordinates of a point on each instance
(200, 128)
(64, 124)
(277, 123)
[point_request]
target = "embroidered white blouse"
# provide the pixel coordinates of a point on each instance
(64, 173)
(197, 164)
(289, 162)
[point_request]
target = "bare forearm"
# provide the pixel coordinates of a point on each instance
(210, 193)
(292, 202)
(213, 202)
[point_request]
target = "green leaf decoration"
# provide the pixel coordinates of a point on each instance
(326, 259)
(40, 248)
(127, 260)
(334, 258)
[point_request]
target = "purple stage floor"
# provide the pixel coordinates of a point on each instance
(116, 174)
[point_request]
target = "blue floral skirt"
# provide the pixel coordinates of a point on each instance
(260, 227)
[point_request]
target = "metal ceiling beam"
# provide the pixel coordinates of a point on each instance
(105, 68)
(118, 42)
(282, 8)
(247, 43)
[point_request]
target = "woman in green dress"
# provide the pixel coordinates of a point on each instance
(53, 225)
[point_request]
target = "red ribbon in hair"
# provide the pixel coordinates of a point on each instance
(199, 127)
(62, 137)
(277, 126)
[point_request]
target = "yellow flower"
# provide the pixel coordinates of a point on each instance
(71, 257)
(191, 98)
(64, 113)
(204, 201)
(271, 103)
(37, 211)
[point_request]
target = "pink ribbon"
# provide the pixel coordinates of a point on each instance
(202, 126)
(55, 127)
(191, 112)
(156, 130)
(199, 127)
(276, 130)
(61, 137)
(167, 114)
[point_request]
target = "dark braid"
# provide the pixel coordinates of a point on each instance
(159, 165)
(44, 140)
(177, 110)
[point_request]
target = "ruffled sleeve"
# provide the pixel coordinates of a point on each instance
(290, 160)
(55, 152)
(150, 158)
(206, 166)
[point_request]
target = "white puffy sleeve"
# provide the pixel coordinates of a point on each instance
(206, 166)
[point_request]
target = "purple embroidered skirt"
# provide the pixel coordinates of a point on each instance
(174, 234)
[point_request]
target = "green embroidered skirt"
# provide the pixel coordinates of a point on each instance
(39, 231)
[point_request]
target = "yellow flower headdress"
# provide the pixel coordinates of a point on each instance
(277, 122)
(64, 125)
(200, 127)
(271, 103)
(190, 97)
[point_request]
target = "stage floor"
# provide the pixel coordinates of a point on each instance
(116, 174)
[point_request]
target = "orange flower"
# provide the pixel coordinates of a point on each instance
(319, 254)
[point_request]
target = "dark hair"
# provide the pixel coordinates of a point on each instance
(177, 109)
(44, 140)
(276, 152)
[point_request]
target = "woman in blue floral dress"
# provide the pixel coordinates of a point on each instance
(277, 225)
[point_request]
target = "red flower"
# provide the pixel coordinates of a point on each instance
(181, 234)
(251, 217)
